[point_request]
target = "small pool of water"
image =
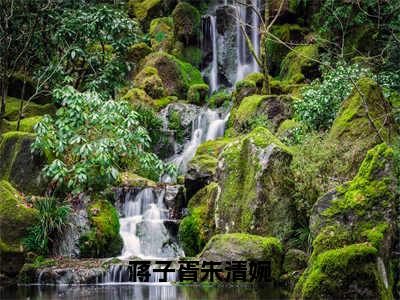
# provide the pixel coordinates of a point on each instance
(140, 291)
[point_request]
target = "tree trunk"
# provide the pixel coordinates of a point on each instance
(4, 92)
(21, 107)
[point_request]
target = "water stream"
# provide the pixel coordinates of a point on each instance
(247, 19)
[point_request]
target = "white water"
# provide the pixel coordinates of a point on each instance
(214, 64)
(143, 230)
(245, 62)
(209, 125)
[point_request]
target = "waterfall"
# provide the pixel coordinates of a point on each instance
(214, 65)
(246, 63)
(209, 125)
(142, 228)
(213, 42)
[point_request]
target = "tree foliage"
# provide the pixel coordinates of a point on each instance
(91, 140)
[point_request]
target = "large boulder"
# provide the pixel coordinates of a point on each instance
(103, 239)
(363, 121)
(244, 247)
(19, 165)
(255, 191)
(15, 219)
(355, 230)
(177, 76)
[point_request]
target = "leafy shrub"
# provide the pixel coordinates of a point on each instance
(91, 139)
(321, 99)
(51, 221)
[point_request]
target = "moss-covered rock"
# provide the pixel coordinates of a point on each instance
(348, 272)
(276, 51)
(148, 80)
(192, 55)
(162, 34)
(219, 99)
(259, 110)
(146, 10)
(26, 124)
(133, 180)
(199, 226)
(255, 191)
(244, 247)
(186, 23)
(138, 96)
(202, 168)
(197, 94)
(137, 52)
(243, 89)
(31, 110)
(355, 229)
(103, 240)
(19, 165)
(15, 219)
(300, 64)
(176, 75)
(361, 123)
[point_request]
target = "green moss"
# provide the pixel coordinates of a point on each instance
(219, 99)
(245, 84)
(248, 109)
(277, 51)
(333, 271)
(298, 63)
(192, 55)
(18, 165)
(134, 180)
(162, 34)
(197, 93)
(242, 181)
(145, 10)
(287, 126)
(177, 76)
(197, 228)
(103, 240)
(351, 121)
(206, 156)
(330, 237)
(138, 96)
(186, 22)
(257, 78)
(31, 110)
(163, 102)
(137, 52)
(365, 191)
(175, 124)
(15, 220)
(26, 124)
(376, 234)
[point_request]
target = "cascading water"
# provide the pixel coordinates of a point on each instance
(247, 19)
(142, 228)
(209, 125)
